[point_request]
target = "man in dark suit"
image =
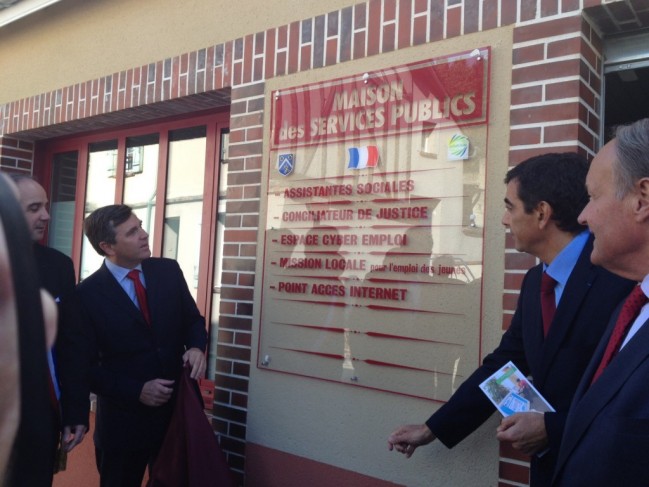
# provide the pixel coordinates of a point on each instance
(57, 277)
(140, 327)
(606, 437)
(543, 199)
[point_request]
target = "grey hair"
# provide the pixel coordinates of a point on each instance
(632, 151)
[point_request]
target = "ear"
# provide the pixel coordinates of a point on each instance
(107, 248)
(543, 213)
(642, 202)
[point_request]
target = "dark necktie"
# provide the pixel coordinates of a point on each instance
(630, 310)
(140, 292)
(548, 301)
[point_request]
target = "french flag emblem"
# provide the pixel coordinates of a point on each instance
(362, 157)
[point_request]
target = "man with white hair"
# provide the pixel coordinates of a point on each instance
(606, 437)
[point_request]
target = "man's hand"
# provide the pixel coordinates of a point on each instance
(156, 392)
(525, 431)
(196, 360)
(72, 436)
(406, 439)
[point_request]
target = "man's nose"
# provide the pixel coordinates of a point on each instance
(582, 216)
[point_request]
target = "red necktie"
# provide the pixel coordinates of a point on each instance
(630, 310)
(140, 292)
(548, 301)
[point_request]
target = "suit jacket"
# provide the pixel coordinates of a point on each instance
(125, 352)
(606, 438)
(556, 363)
(56, 273)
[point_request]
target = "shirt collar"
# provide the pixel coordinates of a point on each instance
(645, 285)
(119, 272)
(563, 264)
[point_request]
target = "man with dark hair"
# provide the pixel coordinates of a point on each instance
(558, 191)
(543, 199)
(57, 277)
(606, 435)
(141, 325)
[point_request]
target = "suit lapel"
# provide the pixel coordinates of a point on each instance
(533, 326)
(590, 400)
(581, 280)
(111, 290)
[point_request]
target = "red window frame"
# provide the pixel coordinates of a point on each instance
(215, 123)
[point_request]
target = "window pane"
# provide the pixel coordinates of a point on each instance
(100, 191)
(223, 166)
(64, 187)
(141, 176)
(218, 253)
(184, 201)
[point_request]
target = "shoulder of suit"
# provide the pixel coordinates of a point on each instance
(51, 254)
(93, 278)
(613, 279)
(604, 272)
(534, 271)
(158, 262)
(157, 259)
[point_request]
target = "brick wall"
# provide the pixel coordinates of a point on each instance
(554, 105)
(238, 277)
(16, 155)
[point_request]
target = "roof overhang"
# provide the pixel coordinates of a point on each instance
(12, 10)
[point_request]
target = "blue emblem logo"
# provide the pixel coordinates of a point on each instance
(285, 164)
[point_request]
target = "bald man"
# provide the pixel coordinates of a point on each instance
(56, 272)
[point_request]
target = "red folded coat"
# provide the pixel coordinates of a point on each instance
(190, 455)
